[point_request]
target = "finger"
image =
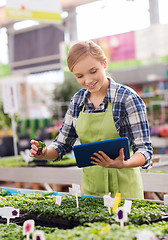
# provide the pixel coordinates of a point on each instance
(34, 142)
(33, 152)
(94, 163)
(104, 156)
(96, 159)
(122, 152)
(99, 156)
(34, 147)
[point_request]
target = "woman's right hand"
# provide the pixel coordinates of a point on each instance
(34, 150)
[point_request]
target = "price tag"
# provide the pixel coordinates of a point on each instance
(75, 191)
(38, 235)
(28, 227)
(9, 212)
(58, 200)
(146, 235)
(108, 201)
(117, 200)
(121, 216)
(127, 205)
(166, 199)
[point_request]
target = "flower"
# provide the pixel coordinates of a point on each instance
(27, 227)
(14, 213)
(120, 214)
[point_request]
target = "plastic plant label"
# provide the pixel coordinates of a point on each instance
(9, 212)
(58, 200)
(166, 199)
(75, 191)
(108, 201)
(119, 196)
(117, 200)
(121, 216)
(76, 188)
(38, 235)
(127, 205)
(146, 235)
(28, 227)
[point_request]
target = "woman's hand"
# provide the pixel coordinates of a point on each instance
(103, 160)
(34, 150)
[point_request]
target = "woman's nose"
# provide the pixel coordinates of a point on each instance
(88, 80)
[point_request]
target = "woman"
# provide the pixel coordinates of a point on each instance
(101, 110)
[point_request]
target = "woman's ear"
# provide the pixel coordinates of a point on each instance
(105, 63)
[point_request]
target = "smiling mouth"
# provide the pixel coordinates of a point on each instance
(92, 85)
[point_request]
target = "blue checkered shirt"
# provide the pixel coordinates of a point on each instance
(129, 114)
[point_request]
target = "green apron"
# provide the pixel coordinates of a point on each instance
(97, 180)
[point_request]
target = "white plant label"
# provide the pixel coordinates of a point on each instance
(38, 235)
(28, 227)
(121, 216)
(75, 191)
(108, 201)
(9, 212)
(58, 200)
(76, 188)
(127, 205)
(166, 199)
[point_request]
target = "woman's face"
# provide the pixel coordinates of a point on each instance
(90, 73)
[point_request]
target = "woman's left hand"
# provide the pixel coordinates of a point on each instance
(103, 160)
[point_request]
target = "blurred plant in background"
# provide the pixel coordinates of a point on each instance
(62, 94)
(5, 122)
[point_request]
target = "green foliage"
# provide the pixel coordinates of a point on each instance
(92, 231)
(67, 89)
(90, 209)
(96, 223)
(5, 120)
(63, 93)
(41, 144)
(11, 162)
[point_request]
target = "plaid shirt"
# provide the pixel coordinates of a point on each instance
(129, 113)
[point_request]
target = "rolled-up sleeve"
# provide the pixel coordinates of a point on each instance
(137, 128)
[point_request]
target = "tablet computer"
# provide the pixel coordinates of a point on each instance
(111, 147)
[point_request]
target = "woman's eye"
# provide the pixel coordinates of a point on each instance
(93, 71)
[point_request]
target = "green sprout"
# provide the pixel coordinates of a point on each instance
(41, 146)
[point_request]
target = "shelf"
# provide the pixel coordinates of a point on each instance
(154, 182)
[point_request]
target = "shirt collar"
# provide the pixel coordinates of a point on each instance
(109, 94)
(84, 99)
(111, 90)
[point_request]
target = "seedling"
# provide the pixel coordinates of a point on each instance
(41, 145)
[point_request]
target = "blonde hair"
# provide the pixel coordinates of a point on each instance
(82, 49)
